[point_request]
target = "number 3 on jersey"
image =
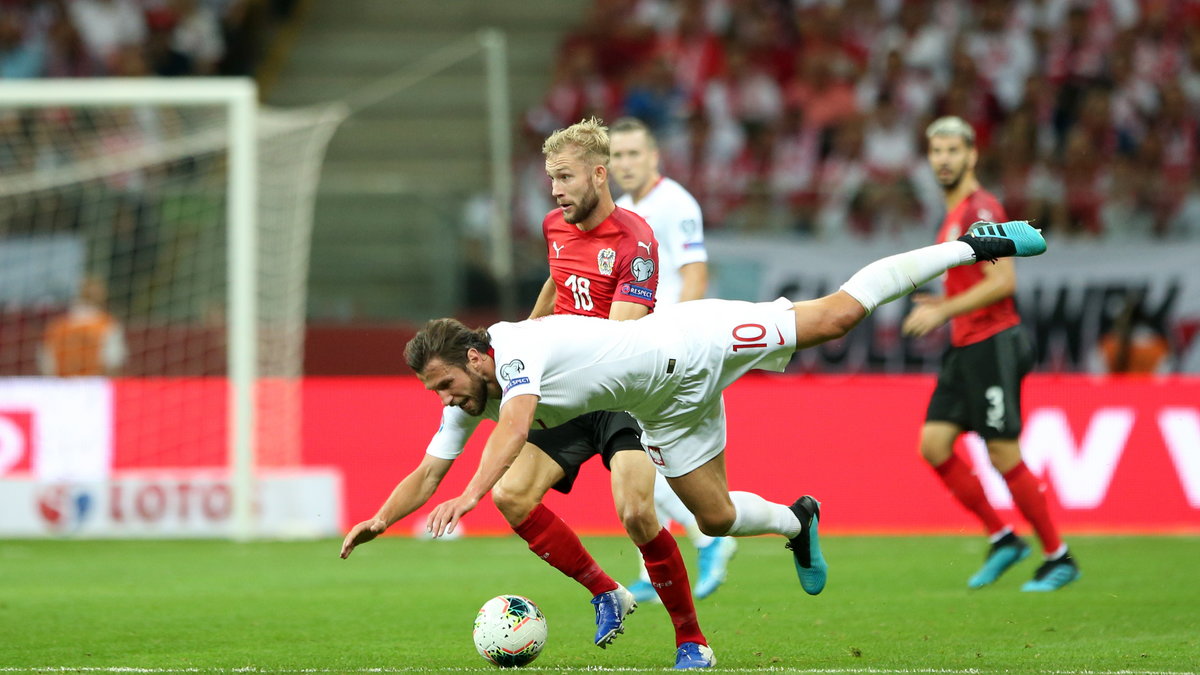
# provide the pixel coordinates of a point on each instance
(581, 288)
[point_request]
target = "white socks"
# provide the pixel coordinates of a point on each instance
(898, 275)
(756, 515)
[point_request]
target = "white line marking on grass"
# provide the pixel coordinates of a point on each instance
(592, 669)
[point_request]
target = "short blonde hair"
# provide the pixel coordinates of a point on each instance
(951, 125)
(590, 136)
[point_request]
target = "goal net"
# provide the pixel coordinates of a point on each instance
(154, 244)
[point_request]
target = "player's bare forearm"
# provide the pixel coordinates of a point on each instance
(627, 311)
(695, 281)
(503, 446)
(501, 450)
(544, 305)
(999, 281)
(416, 489)
(409, 495)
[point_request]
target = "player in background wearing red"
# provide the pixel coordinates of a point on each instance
(979, 386)
(683, 275)
(603, 263)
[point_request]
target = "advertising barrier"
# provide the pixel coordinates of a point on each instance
(1115, 454)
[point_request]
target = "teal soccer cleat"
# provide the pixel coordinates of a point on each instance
(1016, 238)
(806, 549)
(714, 565)
(1003, 554)
(1054, 574)
(643, 591)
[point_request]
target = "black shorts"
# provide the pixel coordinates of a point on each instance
(979, 386)
(597, 433)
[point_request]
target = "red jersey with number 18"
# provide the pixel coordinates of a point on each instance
(984, 322)
(614, 261)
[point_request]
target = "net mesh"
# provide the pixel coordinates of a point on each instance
(113, 261)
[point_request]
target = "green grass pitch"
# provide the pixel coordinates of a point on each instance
(893, 605)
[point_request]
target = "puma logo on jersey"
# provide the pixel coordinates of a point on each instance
(557, 249)
(646, 246)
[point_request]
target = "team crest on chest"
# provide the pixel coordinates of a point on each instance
(605, 260)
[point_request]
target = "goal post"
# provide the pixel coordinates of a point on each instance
(223, 179)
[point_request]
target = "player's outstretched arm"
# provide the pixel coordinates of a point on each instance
(408, 496)
(501, 450)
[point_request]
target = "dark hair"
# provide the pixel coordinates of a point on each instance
(447, 340)
(627, 124)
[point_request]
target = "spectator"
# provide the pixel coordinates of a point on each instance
(1004, 54)
(1119, 74)
(21, 56)
(87, 340)
(822, 90)
(106, 26)
(1082, 181)
(695, 49)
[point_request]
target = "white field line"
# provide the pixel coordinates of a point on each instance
(595, 669)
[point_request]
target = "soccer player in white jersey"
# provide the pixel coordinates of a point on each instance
(683, 275)
(667, 370)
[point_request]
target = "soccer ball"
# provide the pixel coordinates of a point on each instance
(509, 631)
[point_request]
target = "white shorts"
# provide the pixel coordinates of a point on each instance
(725, 339)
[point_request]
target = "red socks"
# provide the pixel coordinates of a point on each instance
(1029, 495)
(670, 579)
(553, 541)
(966, 488)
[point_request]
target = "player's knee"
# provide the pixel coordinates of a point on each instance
(515, 506)
(639, 519)
(716, 523)
(934, 452)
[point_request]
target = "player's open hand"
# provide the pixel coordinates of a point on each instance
(926, 316)
(445, 516)
(361, 534)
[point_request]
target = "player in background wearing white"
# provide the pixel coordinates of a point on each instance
(668, 370)
(683, 275)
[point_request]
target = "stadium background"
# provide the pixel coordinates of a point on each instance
(798, 126)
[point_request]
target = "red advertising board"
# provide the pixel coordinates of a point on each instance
(1116, 455)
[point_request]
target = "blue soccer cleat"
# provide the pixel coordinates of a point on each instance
(1016, 238)
(643, 591)
(1054, 574)
(611, 609)
(806, 549)
(714, 566)
(694, 655)
(1004, 553)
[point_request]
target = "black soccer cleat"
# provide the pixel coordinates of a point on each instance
(1016, 238)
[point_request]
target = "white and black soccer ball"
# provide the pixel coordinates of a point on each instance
(509, 631)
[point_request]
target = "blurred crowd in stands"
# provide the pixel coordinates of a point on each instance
(806, 117)
(130, 38)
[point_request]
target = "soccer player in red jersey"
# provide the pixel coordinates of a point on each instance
(979, 386)
(603, 263)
